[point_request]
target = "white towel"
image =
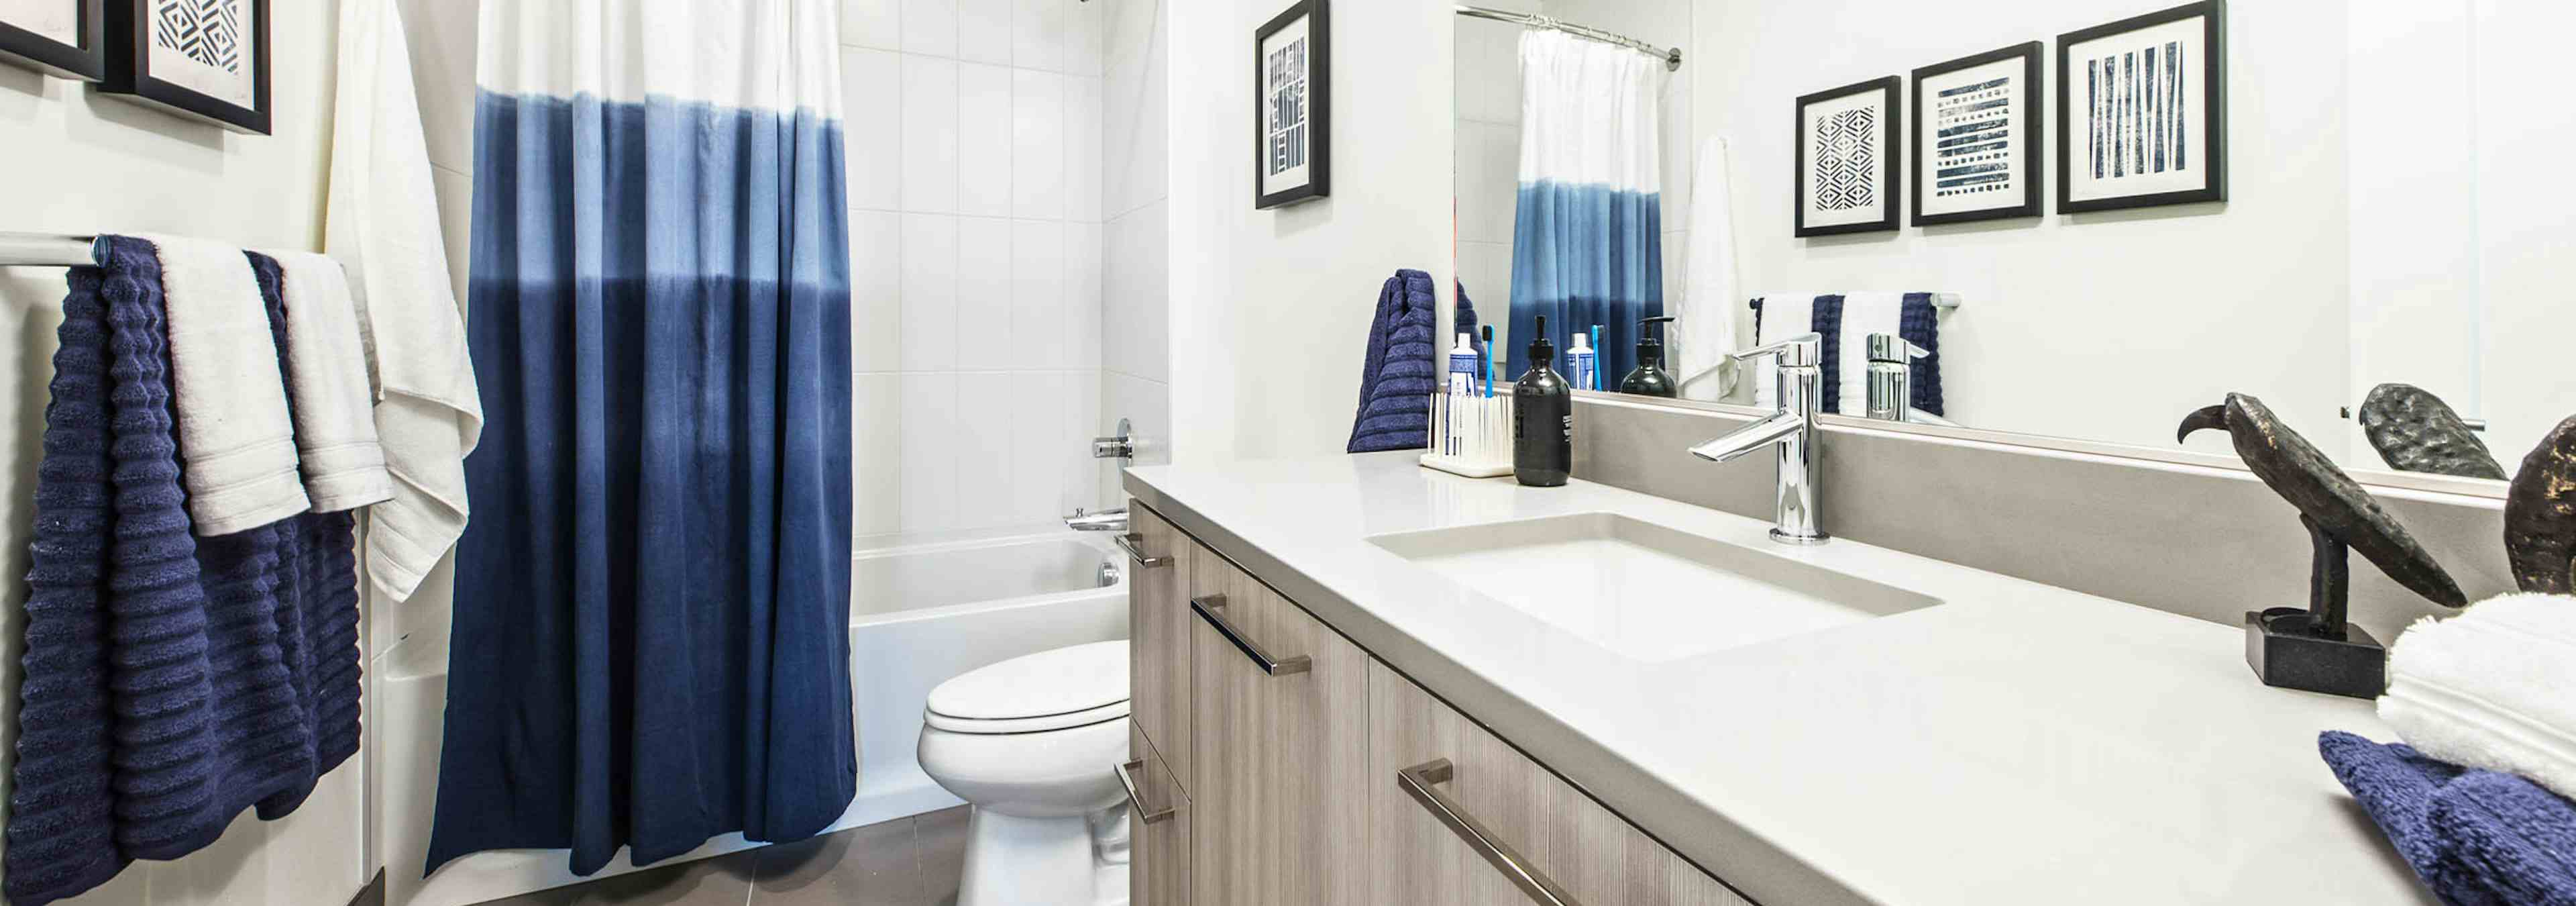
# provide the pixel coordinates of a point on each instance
(326, 377)
(382, 223)
(1704, 333)
(236, 445)
(2491, 688)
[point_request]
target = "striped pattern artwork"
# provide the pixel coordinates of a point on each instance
(1972, 145)
(1846, 161)
(2138, 111)
(207, 31)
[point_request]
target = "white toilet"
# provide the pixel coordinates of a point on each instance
(1033, 744)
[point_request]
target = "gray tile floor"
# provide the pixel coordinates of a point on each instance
(905, 862)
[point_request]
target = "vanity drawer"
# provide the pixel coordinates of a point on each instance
(1280, 773)
(1158, 868)
(1161, 567)
(1437, 779)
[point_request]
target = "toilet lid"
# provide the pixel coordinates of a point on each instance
(1062, 682)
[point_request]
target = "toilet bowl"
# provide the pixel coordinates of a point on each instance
(1032, 744)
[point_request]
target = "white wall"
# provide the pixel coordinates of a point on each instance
(2105, 326)
(1270, 309)
(79, 162)
(2526, 276)
(1487, 160)
(1135, 324)
(976, 219)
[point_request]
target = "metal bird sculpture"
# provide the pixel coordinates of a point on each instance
(2540, 515)
(2415, 431)
(2335, 506)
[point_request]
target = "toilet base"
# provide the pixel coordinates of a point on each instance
(1013, 861)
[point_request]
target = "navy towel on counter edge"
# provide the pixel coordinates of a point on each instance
(1401, 369)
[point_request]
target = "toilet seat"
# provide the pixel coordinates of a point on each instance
(1050, 690)
(1038, 724)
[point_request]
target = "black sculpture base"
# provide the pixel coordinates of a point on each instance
(2286, 648)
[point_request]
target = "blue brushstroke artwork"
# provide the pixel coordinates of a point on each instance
(2138, 112)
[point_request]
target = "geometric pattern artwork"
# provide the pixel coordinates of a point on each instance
(1846, 161)
(2139, 112)
(207, 31)
(1972, 139)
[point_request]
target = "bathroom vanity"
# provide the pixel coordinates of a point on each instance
(1357, 681)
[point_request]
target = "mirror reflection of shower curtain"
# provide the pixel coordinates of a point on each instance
(1587, 241)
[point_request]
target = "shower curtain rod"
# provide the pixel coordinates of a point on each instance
(47, 250)
(1672, 58)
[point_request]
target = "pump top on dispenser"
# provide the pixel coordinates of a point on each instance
(1649, 377)
(1542, 419)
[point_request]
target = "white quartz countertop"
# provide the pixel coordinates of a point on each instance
(2019, 743)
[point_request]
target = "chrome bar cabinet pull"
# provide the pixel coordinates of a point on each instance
(1421, 781)
(1136, 803)
(1133, 544)
(1212, 609)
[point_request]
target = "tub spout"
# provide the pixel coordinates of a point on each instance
(1103, 521)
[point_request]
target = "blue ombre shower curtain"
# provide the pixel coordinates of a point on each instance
(651, 640)
(1587, 243)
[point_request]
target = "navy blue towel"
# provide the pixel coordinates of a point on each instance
(170, 681)
(1401, 370)
(2476, 838)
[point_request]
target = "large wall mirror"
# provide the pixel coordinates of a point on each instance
(2392, 268)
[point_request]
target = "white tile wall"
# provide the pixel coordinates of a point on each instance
(977, 256)
(985, 103)
(1135, 304)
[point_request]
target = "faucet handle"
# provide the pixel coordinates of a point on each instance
(1888, 347)
(1805, 350)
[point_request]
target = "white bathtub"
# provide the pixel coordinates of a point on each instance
(920, 612)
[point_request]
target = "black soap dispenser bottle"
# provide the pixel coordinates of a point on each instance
(1649, 377)
(1542, 419)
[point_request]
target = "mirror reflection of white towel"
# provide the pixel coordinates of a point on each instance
(1704, 332)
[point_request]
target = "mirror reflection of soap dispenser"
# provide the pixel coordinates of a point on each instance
(1542, 419)
(1649, 377)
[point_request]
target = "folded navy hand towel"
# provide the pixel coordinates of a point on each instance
(2476, 838)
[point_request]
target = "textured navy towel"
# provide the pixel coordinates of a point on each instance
(2475, 837)
(160, 698)
(1401, 370)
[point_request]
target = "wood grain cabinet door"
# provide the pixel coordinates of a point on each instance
(1158, 864)
(1281, 717)
(1158, 620)
(1482, 824)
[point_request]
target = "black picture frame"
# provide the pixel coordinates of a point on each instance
(2026, 102)
(1319, 105)
(129, 70)
(1891, 170)
(2213, 74)
(86, 62)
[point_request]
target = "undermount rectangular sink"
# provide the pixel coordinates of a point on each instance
(1645, 591)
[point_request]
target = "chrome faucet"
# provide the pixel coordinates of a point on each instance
(1103, 521)
(1792, 430)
